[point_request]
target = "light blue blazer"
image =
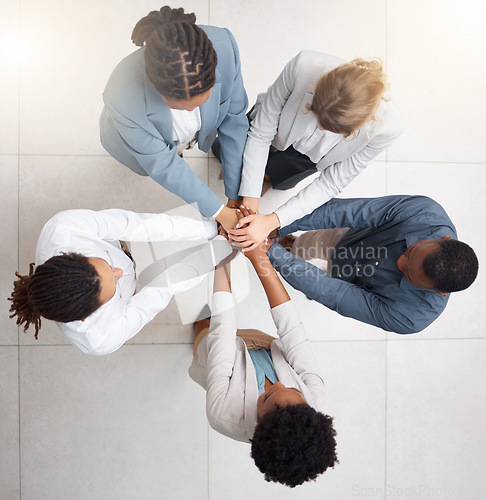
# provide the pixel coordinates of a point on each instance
(136, 125)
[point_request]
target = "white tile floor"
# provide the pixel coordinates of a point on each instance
(410, 412)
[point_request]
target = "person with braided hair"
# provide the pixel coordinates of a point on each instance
(264, 390)
(320, 115)
(183, 86)
(85, 282)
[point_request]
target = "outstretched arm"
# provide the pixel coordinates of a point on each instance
(274, 289)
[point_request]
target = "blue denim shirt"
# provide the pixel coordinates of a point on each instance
(263, 364)
(365, 282)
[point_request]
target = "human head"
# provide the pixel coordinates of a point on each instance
(348, 96)
(443, 265)
(65, 288)
(180, 60)
(292, 443)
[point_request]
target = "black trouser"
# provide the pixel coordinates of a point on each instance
(284, 168)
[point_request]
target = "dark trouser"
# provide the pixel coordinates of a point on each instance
(284, 168)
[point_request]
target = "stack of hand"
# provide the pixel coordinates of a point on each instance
(243, 224)
(254, 250)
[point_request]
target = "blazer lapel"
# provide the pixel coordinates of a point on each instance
(158, 112)
(346, 148)
(251, 391)
(302, 119)
(286, 374)
(209, 118)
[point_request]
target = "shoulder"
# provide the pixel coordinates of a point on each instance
(319, 60)
(424, 204)
(127, 81)
(388, 120)
(421, 214)
(223, 41)
(66, 221)
(307, 67)
(412, 309)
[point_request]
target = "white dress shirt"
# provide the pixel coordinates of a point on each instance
(316, 143)
(97, 234)
(186, 125)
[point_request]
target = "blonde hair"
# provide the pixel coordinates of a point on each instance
(348, 96)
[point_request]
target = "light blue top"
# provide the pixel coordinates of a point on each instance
(365, 282)
(263, 363)
(137, 129)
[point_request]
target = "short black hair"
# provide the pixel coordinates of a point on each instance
(293, 444)
(452, 267)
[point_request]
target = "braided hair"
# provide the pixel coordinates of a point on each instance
(180, 60)
(65, 288)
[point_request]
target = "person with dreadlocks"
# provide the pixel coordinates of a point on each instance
(85, 282)
(264, 390)
(183, 86)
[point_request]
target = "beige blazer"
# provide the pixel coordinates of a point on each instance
(280, 117)
(224, 368)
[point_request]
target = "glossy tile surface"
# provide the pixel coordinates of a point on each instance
(9, 416)
(9, 244)
(102, 429)
(435, 403)
(409, 410)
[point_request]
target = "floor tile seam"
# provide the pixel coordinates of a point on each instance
(437, 162)
(19, 92)
(311, 340)
(385, 472)
(399, 340)
(126, 344)
(56, 155)
(387, 160)
(19, 420)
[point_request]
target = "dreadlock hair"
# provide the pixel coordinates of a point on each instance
(452, 267)
(348, 96)
(293, 444)
(65, 288)
(180, 60)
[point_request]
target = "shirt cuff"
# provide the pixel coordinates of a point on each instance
(285, 215)
(222, 301)
(218, 211)
(210, 229)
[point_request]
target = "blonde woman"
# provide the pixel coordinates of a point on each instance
(321, 114)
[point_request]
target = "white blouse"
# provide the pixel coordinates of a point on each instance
(316, 143)
(97, 234)
(186, 125)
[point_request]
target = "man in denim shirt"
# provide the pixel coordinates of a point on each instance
(393, 268)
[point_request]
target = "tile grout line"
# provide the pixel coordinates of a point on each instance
(208, 470)
(18, 247)
(386, 343)
(134, 344)
(209, 464)
(387, 160)
(386, 415)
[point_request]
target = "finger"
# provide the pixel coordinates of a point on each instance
(244, 210)
(246, 220)
(251, 247)
(239, 214)
(239, 239)
(242, 231)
